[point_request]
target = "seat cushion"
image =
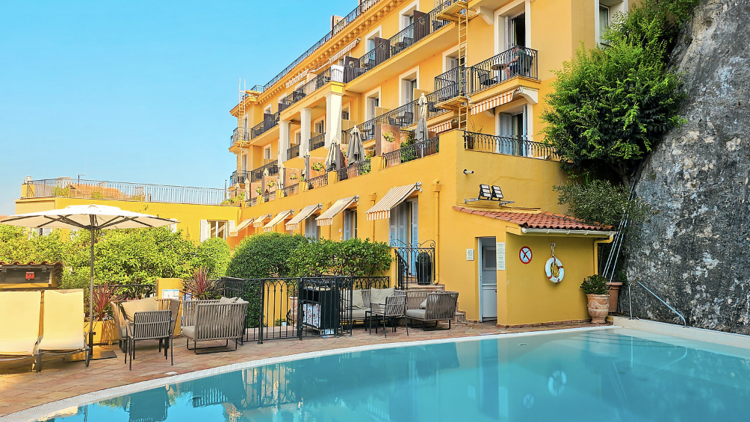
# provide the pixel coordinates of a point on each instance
(18, 346)
(359, 313)
(130, 307)
(225, 300)
(416, 313)
(357, 301)
(188, 331)
(423, 305)
(379, 295)
(62, 343)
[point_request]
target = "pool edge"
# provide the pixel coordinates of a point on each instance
(35, 413)
(691, 333)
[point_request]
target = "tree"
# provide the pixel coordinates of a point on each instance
(611, 105)
(602, 202)
(213, 255)
(264, 255)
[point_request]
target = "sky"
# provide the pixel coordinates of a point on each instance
(137, 91)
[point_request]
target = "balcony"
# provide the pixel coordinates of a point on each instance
(239, 135)
(239, 177)
(318, 182)
(411, 152)
(291, 190)
(318, 141)
(311, 86)
(269, 196)
(518, 146)
(424, 25)
(517, 61)
(269, 121)
(292, 152)
(354, 170)
(257, 174)
(252, 202)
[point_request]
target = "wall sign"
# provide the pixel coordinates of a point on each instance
(500, 256)
(525, 254)
(470, 254)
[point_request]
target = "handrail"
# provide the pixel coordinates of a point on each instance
(630, 300)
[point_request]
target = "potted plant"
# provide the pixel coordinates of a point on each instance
(200, 287)
(615, 285)
(319, 167)
(271, 184)
(259, 190)
(597, 292)
(105, 328)
(424, 269)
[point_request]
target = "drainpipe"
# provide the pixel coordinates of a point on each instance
(373, 197)
(437, 186)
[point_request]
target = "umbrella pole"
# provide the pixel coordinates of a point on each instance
(91, 290)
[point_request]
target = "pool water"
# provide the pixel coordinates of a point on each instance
(600, 375)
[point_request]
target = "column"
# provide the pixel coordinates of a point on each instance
(305, 122)
(333, 115)
(284, 133)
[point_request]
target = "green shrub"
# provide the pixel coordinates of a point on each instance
(595, 285)
(264, 255)
(602, 202)
(213, 255)
(353, 257)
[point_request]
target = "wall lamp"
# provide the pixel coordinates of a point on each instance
(468, 171)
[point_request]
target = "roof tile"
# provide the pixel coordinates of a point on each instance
(541, 220)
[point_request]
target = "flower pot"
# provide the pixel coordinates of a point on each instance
(598, 306)
(614, 293)
(105, 331)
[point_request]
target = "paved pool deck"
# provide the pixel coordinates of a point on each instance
(21, 389)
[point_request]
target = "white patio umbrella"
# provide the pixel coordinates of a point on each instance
(356, 151)
(88, 217)
(333, 154)
(420, 134)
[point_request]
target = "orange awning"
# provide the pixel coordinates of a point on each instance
(326, 219)
(241, 227)
(276, 220)
(493, 102)
(259, 220)
(442, 127)
(394, 197)
(306, 212)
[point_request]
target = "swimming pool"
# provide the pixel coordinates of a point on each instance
(580, 375)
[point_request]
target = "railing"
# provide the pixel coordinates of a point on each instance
(415, 263)
(239, 177)
(66, 187)
(317, 141)
(517, 61)
(343, 23)
(423, 25)
(318, 182)
(291, 190)
(630, 301)
(257, 174)
(311, 86)
(239, 136)
(411, 152)
(269, 196)
(518, 146)
(269, 121)
(355, 169)
(252, 202)
(450, 84)
(292, 152)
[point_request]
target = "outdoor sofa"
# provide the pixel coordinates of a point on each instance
(207, 320)
(431, 306)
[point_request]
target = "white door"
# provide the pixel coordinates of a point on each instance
(487, 278)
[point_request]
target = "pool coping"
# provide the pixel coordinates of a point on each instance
(47, 410)
(691, 333)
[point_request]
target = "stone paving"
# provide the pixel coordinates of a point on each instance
(20, 388)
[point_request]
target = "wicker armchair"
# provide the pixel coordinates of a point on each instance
(393, 309)
(423, 305)
(121, 321)
(206, 320)
(150, 325)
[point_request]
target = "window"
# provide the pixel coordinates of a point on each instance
(297, 138)
(267, 152)
(404, 227)
(603, 19)
(42, 231)
(244, 162)
(350, 224)
(312, 230)
(409, 85)
(372, 104)
(345, 115)
(320, 127)
(217, 229)
(517, 31)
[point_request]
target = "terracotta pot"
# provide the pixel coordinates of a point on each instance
(598, 306)
(614, 293)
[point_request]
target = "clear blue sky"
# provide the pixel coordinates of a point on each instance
(137, 91)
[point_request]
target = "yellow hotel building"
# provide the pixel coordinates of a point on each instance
(469, 209)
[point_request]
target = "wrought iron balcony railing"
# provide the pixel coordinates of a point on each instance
(318, 182)
(517, 61)
(257, 174)
(291, 190)
(354, 170)
(239, 177)
(311, 86)
(292, 152)
(518, 146)
(239, 135)
(411, 152)
(252, 202)
(269, 196)
(67, 187)
(424, 24)
(269, 121)
(317, 141)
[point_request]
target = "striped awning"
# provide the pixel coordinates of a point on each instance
(326, 219)
(493, 102)
(338, 55)
(259, 220)
(394, 197)
(241, 227)
(306, 212)
(297, 78)
(442, 127)
(276, 220)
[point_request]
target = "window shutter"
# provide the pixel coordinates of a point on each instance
(392, 229)
(232, 225)
(414, 224)
(205, 234)
(347, 225)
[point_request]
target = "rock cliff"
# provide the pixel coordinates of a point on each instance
(695, 250)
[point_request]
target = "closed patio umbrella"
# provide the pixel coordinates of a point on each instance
(332, 159)
(420, 134)
(356, 151)
(88, 217)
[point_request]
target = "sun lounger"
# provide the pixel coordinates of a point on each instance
(62, 330)
(19, 329)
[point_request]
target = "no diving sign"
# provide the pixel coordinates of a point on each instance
(525, 254)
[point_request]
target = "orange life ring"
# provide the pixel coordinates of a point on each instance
(554, 270)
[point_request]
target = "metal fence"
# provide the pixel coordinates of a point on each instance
(269, 121)
(284, 308)
(319, 81)
(355, 169)
(317, 141)
(292, 152)
(239, 177)
(257, 174)
(67, 187)
(517, 61)
(518, 146)
(291, 189)
(239, 135)
(318, 182)
(412, 152)
(416, 263)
